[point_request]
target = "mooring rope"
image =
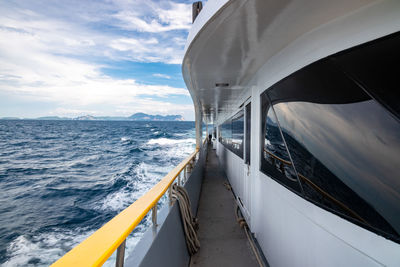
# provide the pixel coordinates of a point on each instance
(243, 224)
(189, 222)
(227, 186)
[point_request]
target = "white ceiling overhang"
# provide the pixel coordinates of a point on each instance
(231, 40)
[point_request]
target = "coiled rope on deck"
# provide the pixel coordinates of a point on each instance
(189, 222)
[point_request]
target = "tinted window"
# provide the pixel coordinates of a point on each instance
(375, 67)
(238, 133)
(232, 133)
(275, 160)
(248, 132)
(226, 132)
(345, 146)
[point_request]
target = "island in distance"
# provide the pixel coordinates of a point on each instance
(135, 117)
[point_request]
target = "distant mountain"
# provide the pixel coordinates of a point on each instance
(105, 118)
(52, 118)
(10, 118)
(135, 117)
(85, 118)
(146, 117)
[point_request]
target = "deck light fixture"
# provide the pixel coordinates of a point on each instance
(221, 84)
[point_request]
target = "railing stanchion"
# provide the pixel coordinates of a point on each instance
(179, 178)
(120, 255)
(154, 215)
(170, 194)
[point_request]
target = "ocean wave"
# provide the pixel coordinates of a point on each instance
(88, 174)
(169, 142)
(46, 248)
(143, 177)
(43, 249)
(124, 139)
(135, 150)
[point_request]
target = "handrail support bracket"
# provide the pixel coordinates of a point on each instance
(120, 255)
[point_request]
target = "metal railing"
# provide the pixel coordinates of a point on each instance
(98, 247)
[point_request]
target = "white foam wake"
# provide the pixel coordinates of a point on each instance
(144, 178)
(44, 249)
(167, 141)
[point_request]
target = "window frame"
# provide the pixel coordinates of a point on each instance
(265, 98)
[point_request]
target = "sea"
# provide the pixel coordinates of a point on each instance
(60, 181)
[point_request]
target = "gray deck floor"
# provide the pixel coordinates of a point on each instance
(223, 242)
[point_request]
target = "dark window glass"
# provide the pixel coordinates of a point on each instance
(344, 145)
(375, 67)
(226, 132)
(232, 133)
(248, 133)
(238, 133)
(275, 160)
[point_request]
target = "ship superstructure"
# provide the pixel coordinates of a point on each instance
(302, 101)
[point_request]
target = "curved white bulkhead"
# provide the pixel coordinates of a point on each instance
(251, 45)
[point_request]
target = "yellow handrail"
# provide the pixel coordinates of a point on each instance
(98, 247)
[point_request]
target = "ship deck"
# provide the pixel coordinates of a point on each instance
(223, 242)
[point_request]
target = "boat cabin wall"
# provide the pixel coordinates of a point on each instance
(291, 230)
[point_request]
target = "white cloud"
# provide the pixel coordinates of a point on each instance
(168, 16)
(66, 80)
(159, 75)
(51, 58)
(147, 50)
(156, 31)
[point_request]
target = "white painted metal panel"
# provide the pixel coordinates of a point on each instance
(233, 166)
(294, 232)
(290, 230)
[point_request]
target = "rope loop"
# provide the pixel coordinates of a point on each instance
(190, 223)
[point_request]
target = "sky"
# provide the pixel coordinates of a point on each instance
(101, 58)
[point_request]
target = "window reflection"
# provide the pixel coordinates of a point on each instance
(276, 161)
(232, 133)
(226, 132)
(344, 145)
(375, 66)
(248, 132)
(238, 131)
(351, 152)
